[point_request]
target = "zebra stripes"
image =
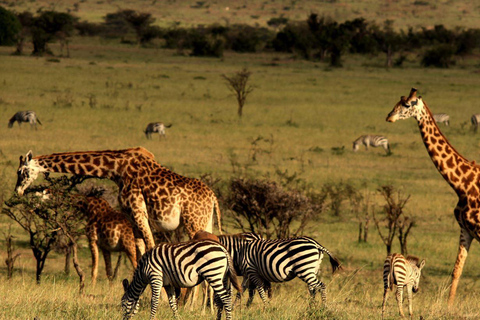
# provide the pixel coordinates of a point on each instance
(442, 118)
(371, 141)
(156, 127)
(175, 266)
(402, 272)
(24, 116)
(266, 261)
(475, 121)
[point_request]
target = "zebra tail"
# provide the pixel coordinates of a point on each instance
(39, 122)
(232, 275)
(334, 262)
(171, 124)
(219, 215)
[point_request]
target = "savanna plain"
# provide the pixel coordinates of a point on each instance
(301, 118)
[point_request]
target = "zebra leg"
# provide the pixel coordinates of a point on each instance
(400, 300)
(409, 298)
(384, 304)
(319, 285)
(259, 284)
(172, 301)
(156, 283)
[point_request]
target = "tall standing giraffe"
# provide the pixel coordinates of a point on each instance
(151, 195)
(461, 174)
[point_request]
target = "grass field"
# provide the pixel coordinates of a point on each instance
(104, 96)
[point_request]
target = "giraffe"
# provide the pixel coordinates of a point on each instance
(108, 229)
(150, 194)
(461, 174)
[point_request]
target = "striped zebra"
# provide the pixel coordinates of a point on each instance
(475, 121)
(156, 127)
(175, 266)
(235, 244)
(266, 261)
(442, 118)
(401, 271)
(24, 116)
(372, 141)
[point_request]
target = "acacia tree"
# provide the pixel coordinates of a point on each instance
(238, 84)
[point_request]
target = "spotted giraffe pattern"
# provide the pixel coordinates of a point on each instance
(150, 194)
(107, 229)
(461, 174)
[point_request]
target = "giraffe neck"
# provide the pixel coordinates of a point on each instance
(455, 169)
(103, 164)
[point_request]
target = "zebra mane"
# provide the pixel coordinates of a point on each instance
(413, 260)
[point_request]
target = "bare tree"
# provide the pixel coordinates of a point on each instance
(11, 256)
(238, 84)
(394, 218)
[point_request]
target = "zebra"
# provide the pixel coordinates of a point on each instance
(373, 141)
(25, 116)
(235, 244)
(402, 272)
(442, 118)
(175, 266)
(475, 121)
(266, 261)
(156, 127)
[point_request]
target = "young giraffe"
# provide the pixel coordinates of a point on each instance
(108, 229)
(461, 174)
(151, 195)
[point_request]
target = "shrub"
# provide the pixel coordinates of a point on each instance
(440, 56)
(9, 27)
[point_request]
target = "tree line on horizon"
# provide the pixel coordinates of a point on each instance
(317, 38)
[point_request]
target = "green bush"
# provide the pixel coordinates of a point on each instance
(9, 27)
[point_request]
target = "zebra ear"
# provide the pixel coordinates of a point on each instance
(422, 264)
(29, 156)
(125, 284)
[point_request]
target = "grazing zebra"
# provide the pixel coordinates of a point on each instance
(235, 244)
(475, 121)
(156, 127)
(24, 116)
(266, 261)
(181, 265)
(442, 118)
(402, 272)
(373, 141)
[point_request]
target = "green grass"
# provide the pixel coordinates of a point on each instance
(302, 106)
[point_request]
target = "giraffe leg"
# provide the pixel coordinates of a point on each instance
(400, 300)
(107, 256)
(132, 199)
(94, 251)
(465, 242)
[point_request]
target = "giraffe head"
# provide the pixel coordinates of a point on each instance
(27, 173)
(407, 107)
(129, 304)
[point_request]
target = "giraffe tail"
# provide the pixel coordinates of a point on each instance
(219, 215)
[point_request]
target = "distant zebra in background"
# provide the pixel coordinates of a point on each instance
(156, 127)
(24, 116)
(181, 265)
(401, 271)
(475, 121)
(442, 118)
(266, 261)
(372, 141)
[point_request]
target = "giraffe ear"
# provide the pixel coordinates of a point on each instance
(403, 98)
(125, 284)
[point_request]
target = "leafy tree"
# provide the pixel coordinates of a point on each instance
(48, 26)
(140, 22)
(238, 84)
(389, 41)
(10, 27)
(440, 56)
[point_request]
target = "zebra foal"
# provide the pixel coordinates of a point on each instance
(181, 265)
(371, 141)
(402, 272)
(475, 119)
(266, 261)
(24, 116)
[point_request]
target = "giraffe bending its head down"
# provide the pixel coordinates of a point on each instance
(108, 229)
(151, 195)
(462, 175)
